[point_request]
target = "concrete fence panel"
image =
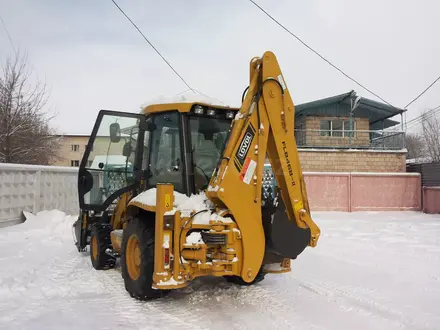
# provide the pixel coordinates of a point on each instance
(431, 199)
(36, 188)
(328, 191)
(385, 191)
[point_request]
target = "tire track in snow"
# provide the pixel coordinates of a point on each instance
(263, 301)
(111, 297)
(367, 307)
(139, 312)
(185, 307)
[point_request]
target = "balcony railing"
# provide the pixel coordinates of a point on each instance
(345, 139)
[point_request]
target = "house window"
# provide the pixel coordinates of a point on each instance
(300, 134)
(336, 127)
(74, 163)
(75, 147)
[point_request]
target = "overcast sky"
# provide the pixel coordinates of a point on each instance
(92, 58)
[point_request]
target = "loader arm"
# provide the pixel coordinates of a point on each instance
(264, 126)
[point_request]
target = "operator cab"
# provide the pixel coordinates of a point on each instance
(177, 143)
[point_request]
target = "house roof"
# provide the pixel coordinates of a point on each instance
(340, 105)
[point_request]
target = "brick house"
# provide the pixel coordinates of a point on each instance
(347, 133)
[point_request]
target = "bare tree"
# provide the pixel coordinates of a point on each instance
(25, 134)
(431, 135)
(415, 145)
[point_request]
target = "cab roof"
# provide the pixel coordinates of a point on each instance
(183, 103)
(181, 107)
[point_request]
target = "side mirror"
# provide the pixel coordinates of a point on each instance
(127, 149)
(115, 133)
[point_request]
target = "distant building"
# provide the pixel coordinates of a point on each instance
(71, 150)
(73, 147)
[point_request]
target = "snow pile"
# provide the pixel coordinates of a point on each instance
(194, 238)
(189, 97)
(197, 203)
(57, 221)
(148, 197)
(203, 218)
(182, 202)
(203, 208)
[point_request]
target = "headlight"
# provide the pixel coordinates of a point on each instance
(229, 114)
(198, 110)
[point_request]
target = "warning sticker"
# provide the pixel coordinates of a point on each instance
(167, 201)
(248, 170)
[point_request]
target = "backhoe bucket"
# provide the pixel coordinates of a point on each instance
(283, 235)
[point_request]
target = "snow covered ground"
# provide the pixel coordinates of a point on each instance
(372, 270)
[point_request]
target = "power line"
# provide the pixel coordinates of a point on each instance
(163, 58)
(427, 88)
(318, 54)
(7, 33)
(186, 90)
(424, 117)
(427, 115)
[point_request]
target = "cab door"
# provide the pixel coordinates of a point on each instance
(112, 162)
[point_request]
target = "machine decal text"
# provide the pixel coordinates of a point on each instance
(289, 165)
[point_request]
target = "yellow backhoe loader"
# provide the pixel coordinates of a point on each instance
(187, 198)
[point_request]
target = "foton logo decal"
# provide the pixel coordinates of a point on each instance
(245, 144)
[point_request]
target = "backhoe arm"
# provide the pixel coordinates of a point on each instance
(264, 125)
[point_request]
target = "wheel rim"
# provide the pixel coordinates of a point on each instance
(133, 257)
(94, 247)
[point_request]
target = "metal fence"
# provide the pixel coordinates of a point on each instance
(345, 139)
(430, 173)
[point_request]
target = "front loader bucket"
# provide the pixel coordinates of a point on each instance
(283, 235)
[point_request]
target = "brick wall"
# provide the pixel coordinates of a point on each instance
(351, 161)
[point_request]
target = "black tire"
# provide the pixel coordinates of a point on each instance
(239, 281)
(100, 259)
(141, 286)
